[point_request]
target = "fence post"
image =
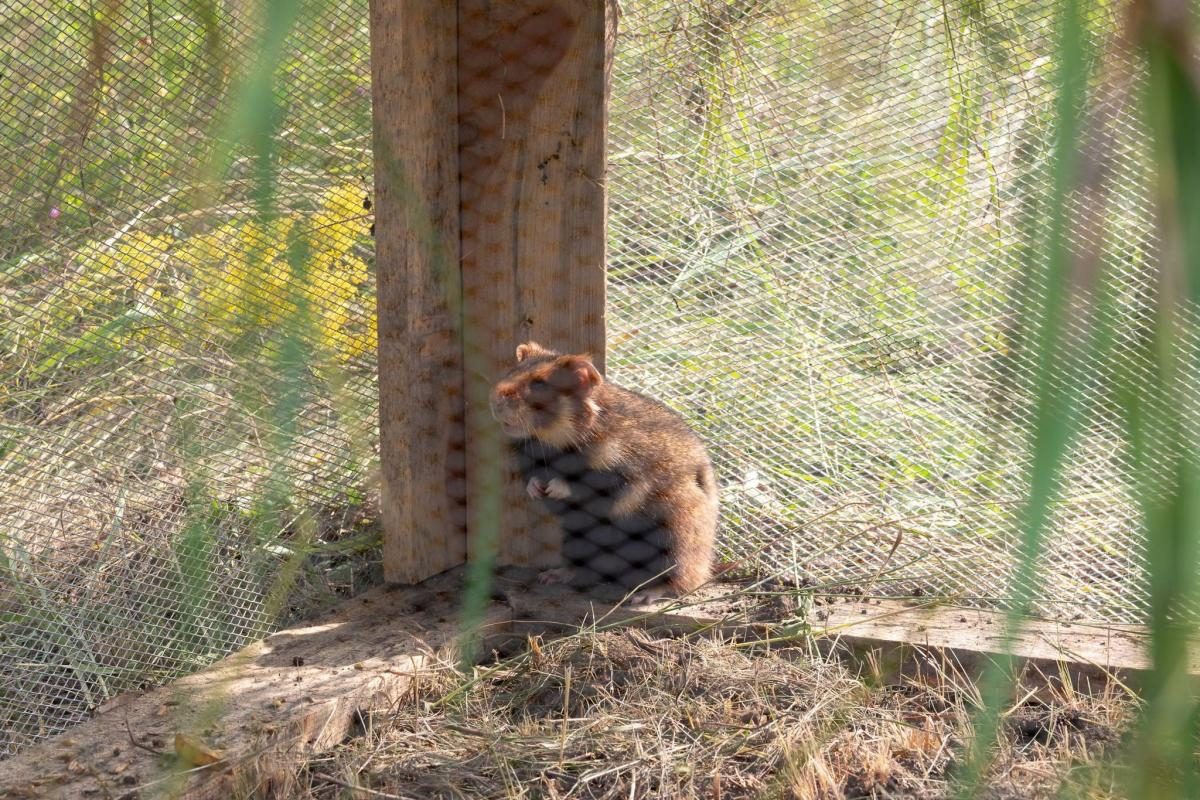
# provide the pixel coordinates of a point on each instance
(423, 488)
(497, 111)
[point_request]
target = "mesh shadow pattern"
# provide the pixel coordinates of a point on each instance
(629, 482)
(599, 546)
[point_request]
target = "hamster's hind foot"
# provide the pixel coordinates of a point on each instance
(651, 595)
(556, 575)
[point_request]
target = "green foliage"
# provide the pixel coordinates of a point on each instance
(1159, 401)
(232, 282)
(819, 295)
(188, 338)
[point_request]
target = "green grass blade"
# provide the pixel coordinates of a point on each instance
(1162, 414)
(1058, 372)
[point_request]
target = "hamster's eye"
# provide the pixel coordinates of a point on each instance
(537, 384)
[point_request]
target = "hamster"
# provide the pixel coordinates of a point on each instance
(630, 482)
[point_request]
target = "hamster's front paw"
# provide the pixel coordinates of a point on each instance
(557, 575)
(555, 488)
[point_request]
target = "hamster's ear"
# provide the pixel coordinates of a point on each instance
(528, 349)
(583, 372)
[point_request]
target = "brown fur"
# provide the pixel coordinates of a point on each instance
(562, 401)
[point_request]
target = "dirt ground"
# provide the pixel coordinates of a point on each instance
(622, 714)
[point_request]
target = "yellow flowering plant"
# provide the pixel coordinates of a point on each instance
(241, 278)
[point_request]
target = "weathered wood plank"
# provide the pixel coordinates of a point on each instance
(299, 691)
(900, 636)
(264, 708)
(533, 98)
(893, 636)
(413, 56)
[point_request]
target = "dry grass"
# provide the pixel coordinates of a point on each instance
(622, 715)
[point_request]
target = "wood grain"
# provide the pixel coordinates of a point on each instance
(532, 93)
(423, 481)
(914, 639)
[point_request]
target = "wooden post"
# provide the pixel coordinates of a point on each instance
(490, 208)
(423, 483)
(533, 91)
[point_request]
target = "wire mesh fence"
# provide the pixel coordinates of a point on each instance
(816, 242)
(816, 248)
(188, 364)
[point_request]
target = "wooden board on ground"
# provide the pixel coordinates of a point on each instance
(888, 636)
(302, 690)
(297, 692)
(914, 637)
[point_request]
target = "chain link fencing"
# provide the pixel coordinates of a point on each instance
(187, 413)
(815, 248)
(818, 219)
